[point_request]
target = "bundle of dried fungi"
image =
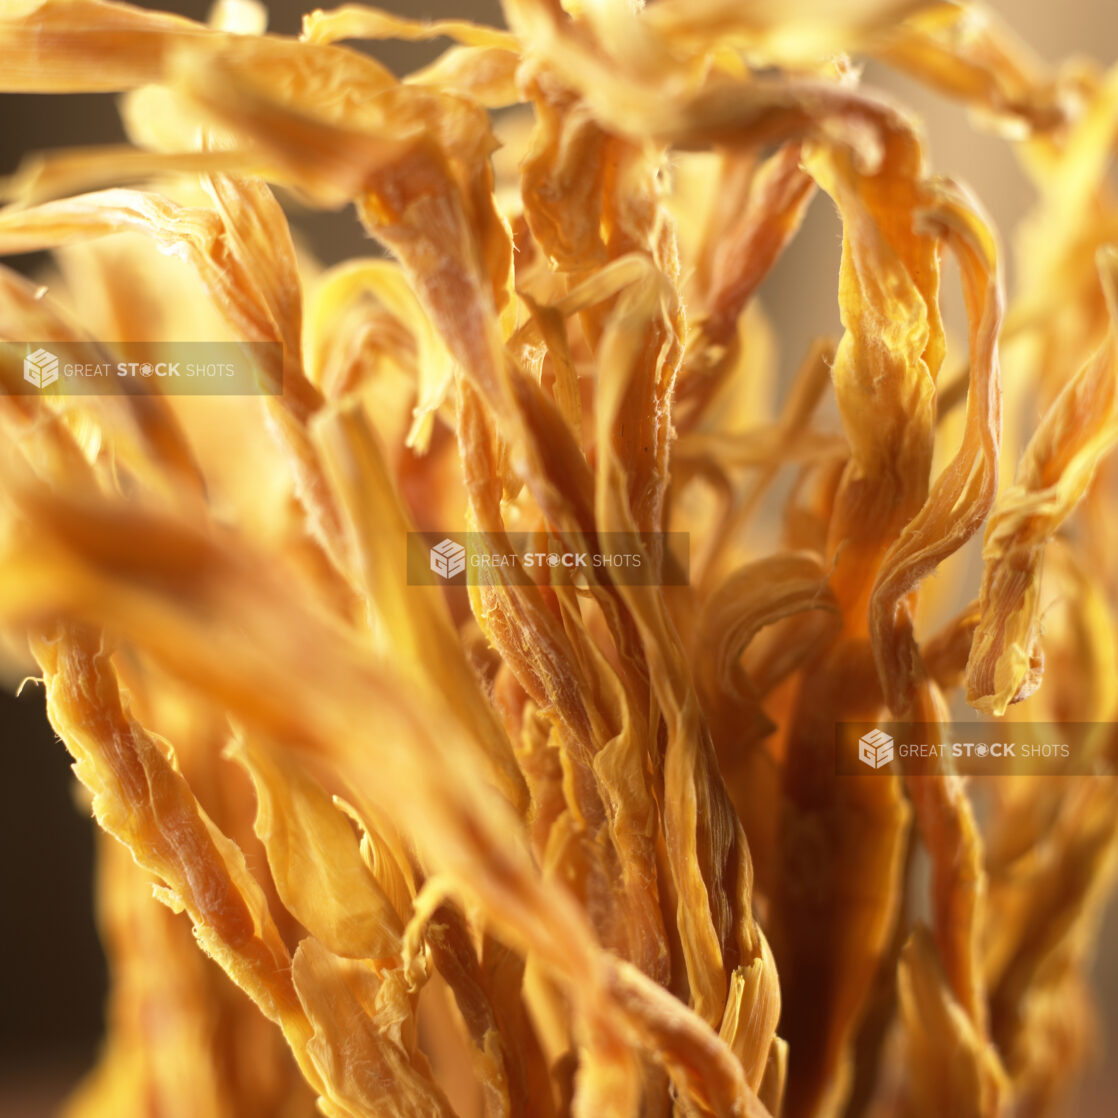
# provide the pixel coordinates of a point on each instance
(568, 847)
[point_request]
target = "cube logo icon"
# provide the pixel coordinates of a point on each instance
(448, 559)
(40, 368)
(875, 749)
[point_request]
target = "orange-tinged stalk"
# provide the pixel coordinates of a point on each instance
(552, 846)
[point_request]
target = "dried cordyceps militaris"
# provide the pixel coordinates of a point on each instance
(577, 846)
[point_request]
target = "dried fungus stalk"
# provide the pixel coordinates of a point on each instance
(553, 849)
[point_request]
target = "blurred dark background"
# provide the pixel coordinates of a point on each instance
(52, 979)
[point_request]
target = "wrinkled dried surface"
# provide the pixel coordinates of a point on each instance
(568, 849)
